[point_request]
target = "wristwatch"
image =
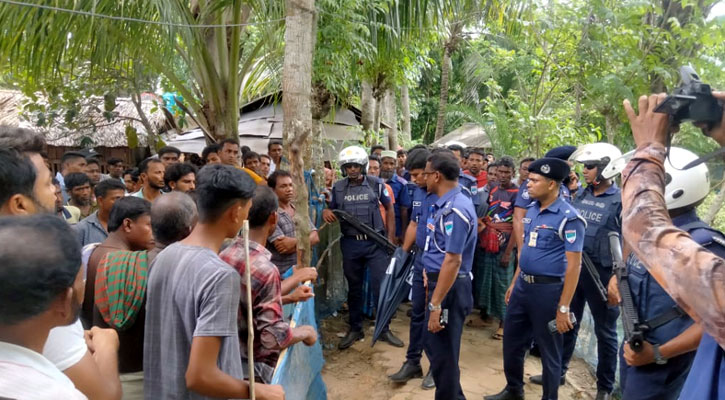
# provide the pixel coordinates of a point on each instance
(563, 309)
(659, 360)
(431, 307)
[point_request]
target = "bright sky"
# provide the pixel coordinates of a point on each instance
(718, 10)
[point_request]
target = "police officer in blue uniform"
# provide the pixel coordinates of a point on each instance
(601, 205)
(545, 281)
(447, 262)
(523, 200)
(400, 192)
(415, 239)
(660, 369)
(360, 195)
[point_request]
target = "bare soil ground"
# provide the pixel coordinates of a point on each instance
(360, 372)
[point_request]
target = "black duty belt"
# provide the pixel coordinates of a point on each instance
(540, 278)
(433, 276)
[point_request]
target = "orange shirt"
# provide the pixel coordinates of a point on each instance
(382, 208)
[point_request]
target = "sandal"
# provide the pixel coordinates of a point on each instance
(498, 335)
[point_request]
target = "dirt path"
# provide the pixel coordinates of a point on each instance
(360, 372)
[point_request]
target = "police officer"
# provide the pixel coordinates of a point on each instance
(600, 204)
(447, 261)
(400, 193)
(359, 195)
(523, 200)
(544, 283)
(660, 369)
(415, 235)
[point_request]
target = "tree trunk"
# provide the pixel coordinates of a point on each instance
(299, 41)
(377, 116)
(367, 106)
(391, 118)
(715, 206)
(405, 110)
(443, 102)
(610, 125)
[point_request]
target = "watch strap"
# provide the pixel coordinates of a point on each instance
(659, 360)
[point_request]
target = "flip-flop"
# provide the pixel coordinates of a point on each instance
(497, 335)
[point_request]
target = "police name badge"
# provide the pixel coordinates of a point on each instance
(448, 226)
(532, 238)
(570, 236)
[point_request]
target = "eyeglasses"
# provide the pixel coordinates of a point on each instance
(426, 173)
(590, 166)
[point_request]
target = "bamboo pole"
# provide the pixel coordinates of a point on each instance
(250, 322)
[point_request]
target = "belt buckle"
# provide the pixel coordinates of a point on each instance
(528, 278)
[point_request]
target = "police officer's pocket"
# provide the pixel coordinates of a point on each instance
(547, 239)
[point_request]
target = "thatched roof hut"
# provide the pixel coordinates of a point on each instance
(92, 127)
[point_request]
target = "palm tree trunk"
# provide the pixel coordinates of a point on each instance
(299, 41)
(405, 110)
(367, 106)
(391, 118)
(443, 102)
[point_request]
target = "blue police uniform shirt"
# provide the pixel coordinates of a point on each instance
(548, 235)
(523, 199)
(603, 215)
(451, 228)
(402, 199)
(469, 187)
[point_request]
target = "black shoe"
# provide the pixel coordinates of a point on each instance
(505, 395)
(539, 380)
(428, 382)
(390, 338)
(407, 372)
(350, 339)
(603, 395)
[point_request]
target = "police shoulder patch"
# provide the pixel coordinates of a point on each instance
(474, 189)
(385, 192)
(570, 235)
(525, 195)
(448, 226)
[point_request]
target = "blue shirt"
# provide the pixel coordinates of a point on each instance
(523, 199)
(548, 235)
(469, 187)
(451, 228)
(422, 201)
(402, 199)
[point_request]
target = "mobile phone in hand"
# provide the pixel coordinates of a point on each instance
(552, 323)
(444, 317)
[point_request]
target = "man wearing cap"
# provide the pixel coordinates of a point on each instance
(399, 187)
(544, 283)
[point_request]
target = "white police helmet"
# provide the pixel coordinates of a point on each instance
(684, 187)
(353, 155)
(603, 154)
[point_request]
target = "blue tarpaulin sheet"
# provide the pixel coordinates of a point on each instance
(300, 370)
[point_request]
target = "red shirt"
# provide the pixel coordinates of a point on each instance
(481, 179)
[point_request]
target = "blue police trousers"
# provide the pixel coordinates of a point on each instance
(605, 327)
(356, 256)
(529, 311)
(444, 347)
(417, 317)
(652, 381)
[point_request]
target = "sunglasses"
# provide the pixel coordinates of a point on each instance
(590, 166)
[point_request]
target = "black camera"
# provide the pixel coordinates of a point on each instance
(692, 101)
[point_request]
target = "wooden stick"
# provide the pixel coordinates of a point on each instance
(250, 322)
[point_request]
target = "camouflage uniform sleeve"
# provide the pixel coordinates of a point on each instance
(693, 276)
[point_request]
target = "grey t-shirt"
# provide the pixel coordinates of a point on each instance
(191, 292)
